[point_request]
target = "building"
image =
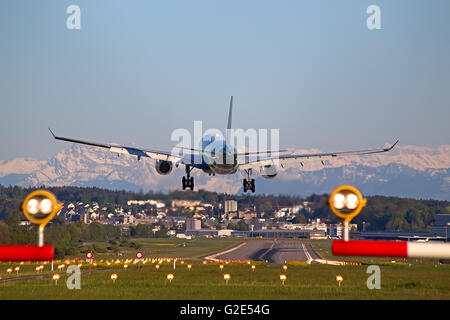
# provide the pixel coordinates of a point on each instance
(128, 219)
(317, 234)
(258, 226)
(155, 203)
(230, 206)
(247, 215)
(85, 218)
(187, 204)
(284, 212)
(258, 234)
(124, 230)
(441, 225)
(193, 224)
(335, 230)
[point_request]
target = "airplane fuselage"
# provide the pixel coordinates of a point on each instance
(219, 156)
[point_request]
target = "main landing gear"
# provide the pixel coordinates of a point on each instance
(188, 181)
(248, 184)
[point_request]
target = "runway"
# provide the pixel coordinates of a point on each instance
(274, 251)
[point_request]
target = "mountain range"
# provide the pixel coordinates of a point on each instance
(406, 171)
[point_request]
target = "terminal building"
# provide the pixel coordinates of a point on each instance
(307, 234)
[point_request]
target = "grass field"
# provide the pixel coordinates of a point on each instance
(421, 281)
(171, 248)
(400, 280)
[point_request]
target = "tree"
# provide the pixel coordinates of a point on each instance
(143, 230)
(299, 219)
(13, 219)
(242, 226)
(5, 237)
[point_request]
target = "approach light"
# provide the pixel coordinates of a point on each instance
(338, 201)
(283, 278)
(189, 267)
(253, 267)
(56, 278)
(339, 279)
(39, 207)
(114, 277)
(346, 202)
(226, 277)
(170, 277)
(285, 267)
(33, 206)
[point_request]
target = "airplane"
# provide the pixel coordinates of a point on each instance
(217, 155)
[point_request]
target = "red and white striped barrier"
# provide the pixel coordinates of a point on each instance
(402, 249)
(26, 253)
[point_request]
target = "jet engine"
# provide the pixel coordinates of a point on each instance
(163, 167)
(269, 171)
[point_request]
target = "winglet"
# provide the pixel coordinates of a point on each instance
(391, 147)
(52, 133)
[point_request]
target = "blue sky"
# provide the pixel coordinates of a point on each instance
(137, 70)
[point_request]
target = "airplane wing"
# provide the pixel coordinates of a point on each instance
(153, 154)
(292, 158)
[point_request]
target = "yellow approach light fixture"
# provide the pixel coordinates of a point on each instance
(39, 207)
(346, 202)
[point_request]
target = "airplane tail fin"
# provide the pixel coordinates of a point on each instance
(230, 113)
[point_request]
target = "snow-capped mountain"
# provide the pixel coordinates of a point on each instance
(407, 171)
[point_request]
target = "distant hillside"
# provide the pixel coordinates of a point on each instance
(381, 213)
